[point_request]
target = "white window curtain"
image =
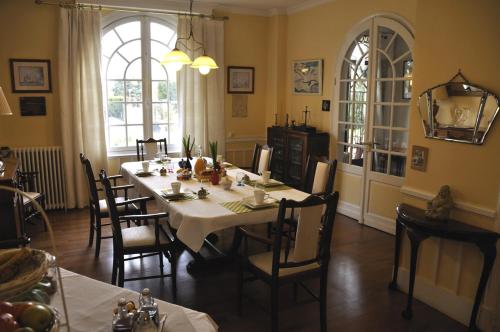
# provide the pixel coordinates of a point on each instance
(202, 97)
(82, 120)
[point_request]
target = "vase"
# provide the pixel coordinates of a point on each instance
(215, 178)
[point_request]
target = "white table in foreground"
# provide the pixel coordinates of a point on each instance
(90, 305)
(195, 219)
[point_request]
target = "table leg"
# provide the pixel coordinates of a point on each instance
(489, 251)
(397, 250)
(415, 239)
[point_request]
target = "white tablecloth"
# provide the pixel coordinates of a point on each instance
(195, 219)
(90, 307)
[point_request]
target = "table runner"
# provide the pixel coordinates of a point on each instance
(195, 219)
(90, 303)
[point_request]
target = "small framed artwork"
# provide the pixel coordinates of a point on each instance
(407, 72)
(308, 77)
(31, 106)
(419, 156)
(325, 105)
(240, 79)
(30, 75)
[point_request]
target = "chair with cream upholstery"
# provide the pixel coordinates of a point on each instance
(98, 208)
(320, 175)
(146, 240)
(294, 258)
(262, 156)
(26, 182)
(152, 147)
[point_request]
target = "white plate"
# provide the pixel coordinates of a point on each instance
(271, 183)
(250, 202)
(168, 193)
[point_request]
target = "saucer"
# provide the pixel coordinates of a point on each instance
(250, 202)
(169, 193)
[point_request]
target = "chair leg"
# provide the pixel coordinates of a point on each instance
(42, 203)
(98, 236)
(114, 269)
(274, 307)
(160, 255)
(240, 286)
(121, 271)
(92, 223)
(173, 267)
(322, 302)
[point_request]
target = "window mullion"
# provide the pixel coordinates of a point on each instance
(146, 75)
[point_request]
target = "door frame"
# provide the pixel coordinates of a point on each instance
(358, 212)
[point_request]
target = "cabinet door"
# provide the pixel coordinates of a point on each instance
(296, 149)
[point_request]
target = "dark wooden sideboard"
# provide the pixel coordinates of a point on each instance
(291, 148)
(12, 231)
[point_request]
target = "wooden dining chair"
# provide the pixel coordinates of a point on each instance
(295, 257)
(262, 157)
(150, 147)
(26, 182)
(320, 175)
(98, 208)
(140, 241)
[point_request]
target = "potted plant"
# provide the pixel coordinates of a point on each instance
(215, 174)
(188, 149)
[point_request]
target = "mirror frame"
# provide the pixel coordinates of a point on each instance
(429, 129)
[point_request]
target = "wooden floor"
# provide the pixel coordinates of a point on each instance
(358, 296)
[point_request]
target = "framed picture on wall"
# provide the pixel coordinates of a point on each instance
(308, 77)
(240, 79)
(30, 75)
(419, 156)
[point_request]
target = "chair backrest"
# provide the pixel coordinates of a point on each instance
(152, 147)
(320, 175)
(112, 209)
(312, 237)
(91, 181)
(262, 156)
(26, 181)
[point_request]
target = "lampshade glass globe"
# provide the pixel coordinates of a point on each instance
(204, 70)
(174, 66)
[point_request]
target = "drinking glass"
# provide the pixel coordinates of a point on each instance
(239, 178)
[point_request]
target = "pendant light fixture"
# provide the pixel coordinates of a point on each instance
(176, 58)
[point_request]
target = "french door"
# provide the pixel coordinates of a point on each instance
(371, 127)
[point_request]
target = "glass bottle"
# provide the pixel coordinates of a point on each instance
(122, 321)
(148, 305)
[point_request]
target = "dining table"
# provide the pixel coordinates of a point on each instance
(90, 306)
(193, 218)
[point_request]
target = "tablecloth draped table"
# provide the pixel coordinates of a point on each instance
(195, 219)
(90, 307)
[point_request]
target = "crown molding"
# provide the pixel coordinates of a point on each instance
(305, 5)
(242, 10)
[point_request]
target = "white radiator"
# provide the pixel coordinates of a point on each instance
(48, 162)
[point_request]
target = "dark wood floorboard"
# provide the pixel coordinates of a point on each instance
(358, 296)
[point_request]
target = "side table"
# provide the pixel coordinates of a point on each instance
(420, 228)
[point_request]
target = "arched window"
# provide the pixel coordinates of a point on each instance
(140, 94)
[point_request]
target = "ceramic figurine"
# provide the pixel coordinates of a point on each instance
(440, 206)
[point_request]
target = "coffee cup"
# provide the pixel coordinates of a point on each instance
(176, 187)
(145, 166)
(260, 196)
(266, 176)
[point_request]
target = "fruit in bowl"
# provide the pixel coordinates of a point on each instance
(26, 317)
(183, 174)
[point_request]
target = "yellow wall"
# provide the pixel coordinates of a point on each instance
(28, 31)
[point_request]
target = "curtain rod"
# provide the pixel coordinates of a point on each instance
(82, 5)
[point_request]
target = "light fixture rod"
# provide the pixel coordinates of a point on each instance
(82, 5)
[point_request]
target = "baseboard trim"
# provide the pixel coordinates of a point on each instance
(457, 307)
(384, 224)
(464, 206)
(350, 210)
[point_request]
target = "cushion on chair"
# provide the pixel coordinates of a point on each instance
(320, 177)
(264, 263)
(151, 150)
(32, 195)
(307, 236)
(263, 161)
(141, 236)
(103, 205)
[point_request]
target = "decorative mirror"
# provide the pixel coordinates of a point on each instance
(458, 111)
